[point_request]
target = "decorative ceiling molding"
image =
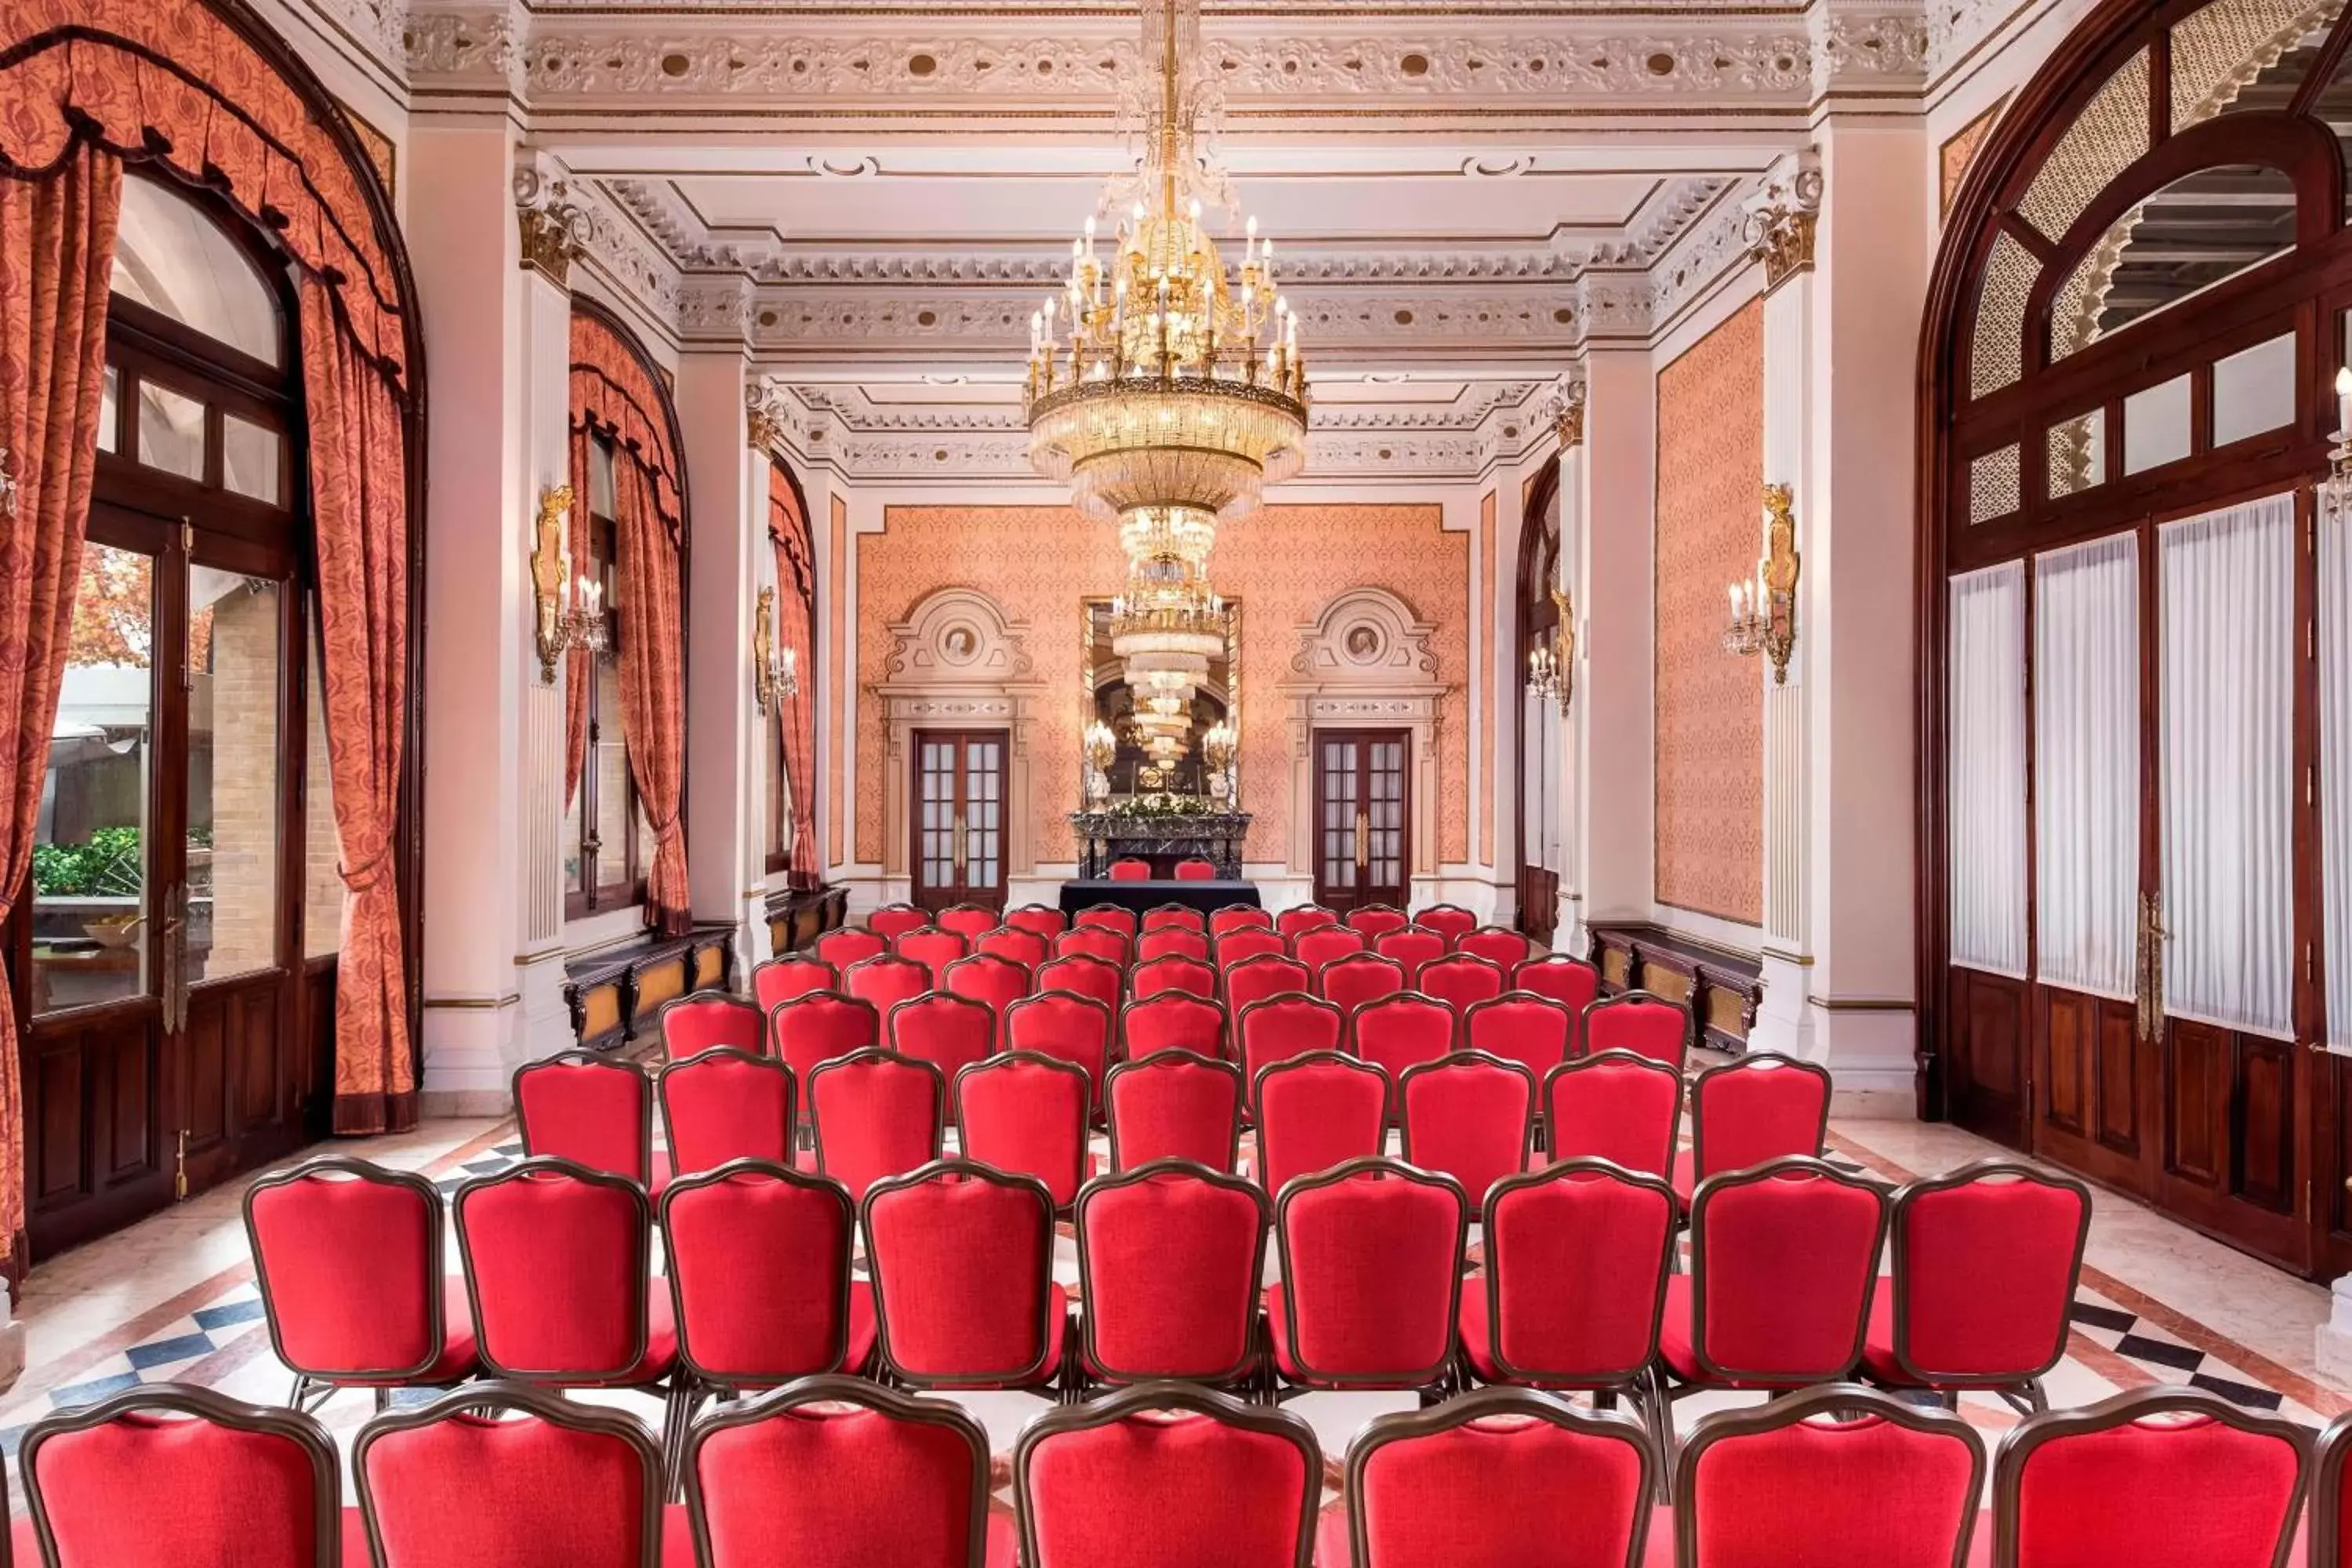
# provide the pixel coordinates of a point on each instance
(1868, 46)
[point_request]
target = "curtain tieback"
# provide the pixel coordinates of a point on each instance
(368, 875)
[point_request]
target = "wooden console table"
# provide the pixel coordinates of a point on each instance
(1723, 987)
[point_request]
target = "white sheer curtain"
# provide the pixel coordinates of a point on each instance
(2335, 768)
(1555, 764)
(2087, 733)
(1986, 769)
(2226, 766)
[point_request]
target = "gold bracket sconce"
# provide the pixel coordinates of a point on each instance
(775, 672)
(1764, 612)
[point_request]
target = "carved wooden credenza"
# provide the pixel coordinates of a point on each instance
(1724, 988)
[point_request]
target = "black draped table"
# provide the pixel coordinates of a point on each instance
(1205, 896)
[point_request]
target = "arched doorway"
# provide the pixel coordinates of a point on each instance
(2139, 304)
(1541, 724)
(790, 750)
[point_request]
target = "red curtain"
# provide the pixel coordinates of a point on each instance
(653, 687)
(579, 665)
(56, 253)
(796, 629)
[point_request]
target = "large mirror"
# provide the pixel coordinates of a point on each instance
(1121, 764)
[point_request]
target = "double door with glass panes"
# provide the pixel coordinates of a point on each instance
(1362, 841)
(958, 817)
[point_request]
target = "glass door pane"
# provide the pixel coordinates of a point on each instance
(613, 799)
(233, 626)
(983, 832)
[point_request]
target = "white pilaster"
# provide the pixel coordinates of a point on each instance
(1568, 934)
(1616, 808)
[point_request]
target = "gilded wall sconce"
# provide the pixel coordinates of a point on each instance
(1551, 665)
(775, 672)
(567, 612)
(1764, 612)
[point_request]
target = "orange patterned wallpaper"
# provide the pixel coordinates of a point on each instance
(1486, 659)
(835, 594)
(1710, 712)
(1283, 566)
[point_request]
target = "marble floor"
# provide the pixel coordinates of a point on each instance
(173, 1299)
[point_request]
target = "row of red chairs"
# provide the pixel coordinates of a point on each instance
(1189, 870)
(1450, 920)
(829, 1472)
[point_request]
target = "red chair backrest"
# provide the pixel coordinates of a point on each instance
(1618, 1107)
(1172, 1021)
(1315, 1112)
(763, 1481)
(1175, 917)
(1194, 976)
(1568, 980)
(1255, 979)
(1171, 942)
(709, 1019)
(1025, 948)
(997, 982)
(1470, 1116)
(1042, 920)
(1393, 1033)
(1174, 1105)
(821, 1026)
(1371, 1273)
(758, 1261)
(1285, 1026)
(1110, 917)
(1084, 974)
(1497, 1480)
(933, 949)
(886, 981)
(1448, 920)
(893, 920)
(1224, 922)
(1757, 1109)
(1413, 946)
(781, 979)
(1321, 946)
(169, 1477)
(2157, 1474)
(851, 944)
(970, 921)
(1783, 1259)
(1520, 1026)
(1196, 871)
(557, 1264)
(1638, 1022)
(962, 1258)
(1460, 979)
(1027, 1115)
(948, 1032)
(348, 1257)
(1498, 945)
(1350, 981)
(1166, 1475)
(1096, 941)
(1299, 919)
(1066, 1026)
(447, 1486)
(588, 1110)
(1842, 1478)
(727, 1105)
(1376, 920)
(1237, 948)
(1170, 1256)
(1577, 1260)
(877, 1114)
(1986, 1260)
(1131, 870)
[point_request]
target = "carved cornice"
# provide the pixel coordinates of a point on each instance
(1868, 46)
(465, 48)
(379, 26)
(1777, 221)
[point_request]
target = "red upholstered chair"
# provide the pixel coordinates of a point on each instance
(1758, 1107)
(1237, 947)
(1196, 871)
(1460, 979)
(1449, 921)
(1497, 1480)
(1520, 1026)
(1287, 1025)
(763, 1481)
(1470, 1116)
(1252, 980)
(1638, 1022)
(164, 1475)
(933, 949)
(1372, 1277)
(1131, 870)
(1174, 1105)
(348, 1257)
(1026, 1114)
(961, 1256)
(1498, 945)
(850, 944)
(1085, 974)
(894, 920)
(820, 1026)
(970, 921)
(1397, 1032)
(1025, 948)
(1376, 920)
(875, 1113)
(1618, 1107)
(1066, 1026)
(1110, 917)
(1096, 941)
(2331, 1547)
(691, 1024)
(1171, 1021)
(1321, 946)
(1349, 983)
(997, 982)
(1175, 917)
(948, 1032)
(782, 979)
(1783, 1259)
(1171, 942)
(1986, 1259)
(1164, 1475)
(1415, 947)
(1299, 919)
(1194, 976)
(1169, 1256)
(1043, 920)
(886, 981)
(1571, 981)
(1577, 1260)
(1313, 1112)
(1841, 1478)
(591, 1110)
(760, 1282)
(1224, 922)
(452, 1485)
(727, 1105)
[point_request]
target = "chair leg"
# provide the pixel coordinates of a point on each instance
(1658, 1415)
(301, 1388)
(678, 1411)
(382, 1400)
